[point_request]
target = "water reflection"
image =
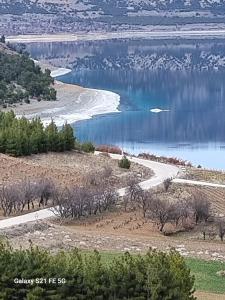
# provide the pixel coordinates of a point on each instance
(186, 78)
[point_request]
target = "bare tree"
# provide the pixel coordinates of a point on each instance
(221, 228)
(126, 200)
(29, 190)
(78, 202)
(180, 211)
(99, 178)
(200, 206)
(145, 201)
(44, 189)
(7, 198)
(203, 229)
(161, 212)
(167, 183)
(134, 191)
(13, 198)
(108, 198)
(62, 203)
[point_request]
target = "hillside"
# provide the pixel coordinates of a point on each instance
(22, 80)
(68, 15)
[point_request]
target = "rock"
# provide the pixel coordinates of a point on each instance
(126, 249)
(180, 246)
(83, 243)
(184, 253)
(181, 249)
(221, 273)
(37, 233)
(67, 240)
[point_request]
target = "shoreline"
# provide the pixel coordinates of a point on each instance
(154, 34)
(74, 103)
(60, 72)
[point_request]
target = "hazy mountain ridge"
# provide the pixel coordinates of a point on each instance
(108, 7)
(38, 16)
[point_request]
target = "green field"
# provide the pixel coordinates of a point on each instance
(204, 272)
(205, 275)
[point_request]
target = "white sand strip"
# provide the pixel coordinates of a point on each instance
(191, 32)
(88, 104)
(74, 104)
(60, 72)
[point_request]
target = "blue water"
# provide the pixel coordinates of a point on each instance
(185, 77)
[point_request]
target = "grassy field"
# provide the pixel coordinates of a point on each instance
(205, 275)
(204, 271)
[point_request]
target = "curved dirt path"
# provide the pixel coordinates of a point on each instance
(196, 182)
(161, 172)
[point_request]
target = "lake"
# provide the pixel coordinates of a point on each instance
(172, 94)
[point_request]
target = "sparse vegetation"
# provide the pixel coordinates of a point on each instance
(157, 207)
(124, 163)
(109, 149)
(87, 147)
(205, 175)
(167, 160)
(15, 197)
(221, 228)
(167, 183)
(94, 197)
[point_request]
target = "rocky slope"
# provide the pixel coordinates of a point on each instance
(37, 16)
(83, 8)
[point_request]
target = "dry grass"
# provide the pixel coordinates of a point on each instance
(209, 296)
(118, 232)
(68, 168)
(205, 175)
(215, 195)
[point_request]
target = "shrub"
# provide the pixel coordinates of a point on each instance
(156, 275)
(27, 101)
(124, 163)
(163, 159)
(167, 183)
(109, 149)
(88, 147)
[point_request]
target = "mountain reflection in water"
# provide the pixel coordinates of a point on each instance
(185, 77)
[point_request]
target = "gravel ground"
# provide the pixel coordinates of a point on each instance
(109, 233)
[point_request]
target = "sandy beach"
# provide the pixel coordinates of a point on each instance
(74, 103)
(156, 32)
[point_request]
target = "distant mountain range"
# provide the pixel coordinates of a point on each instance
(94, 8)
(70, 15)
